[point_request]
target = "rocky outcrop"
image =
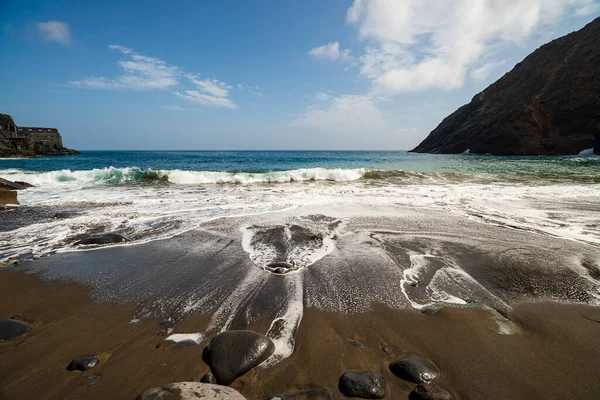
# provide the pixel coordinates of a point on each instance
(28, 142)
(549, 104)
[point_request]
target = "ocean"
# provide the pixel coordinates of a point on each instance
(244, 236)
(152, 195)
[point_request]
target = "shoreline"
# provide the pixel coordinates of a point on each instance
(551, 356)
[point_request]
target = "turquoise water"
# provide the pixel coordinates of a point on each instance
(146, 164)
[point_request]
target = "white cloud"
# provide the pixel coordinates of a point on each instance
(140, 72)
(345, 115)
(211, 86)
(211, 93)
(204, 99)
(482, 72)
(55, 31)
(419, 44)
(323, 96)
(330, 51)
(172, 107)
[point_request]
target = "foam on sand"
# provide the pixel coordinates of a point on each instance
(192, 338)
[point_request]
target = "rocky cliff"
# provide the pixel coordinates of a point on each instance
(548, 104)
(19, 142)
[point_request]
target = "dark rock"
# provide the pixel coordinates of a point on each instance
(191, 391)
(365, 385)
(547, 104)
(208, 378)
(415, 369)
(25, 184)
(16, 316)
(105, 238)
(426, 391)
(280, 267)
(8, 197)
(315, 394)
(83, 363)
(233, 353)
(11, 328)
(9, 185)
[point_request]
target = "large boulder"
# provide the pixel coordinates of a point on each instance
(8, 197)
(191, 391)
(12, 328)
(231, 354)
(364, 384)
(415, 369)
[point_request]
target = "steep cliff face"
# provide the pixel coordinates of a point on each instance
(548, 104)
(15, 142)
(7, 129)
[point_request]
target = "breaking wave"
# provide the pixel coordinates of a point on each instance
(135, 175)
(113, 175)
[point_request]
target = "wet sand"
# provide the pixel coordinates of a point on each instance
(553, 354)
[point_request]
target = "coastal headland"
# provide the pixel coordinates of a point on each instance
(24, 141)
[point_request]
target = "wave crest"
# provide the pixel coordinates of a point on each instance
(112, 175)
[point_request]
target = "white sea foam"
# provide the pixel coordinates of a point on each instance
(297, 175)
(112, 175)
(283, 328)
(185, 337)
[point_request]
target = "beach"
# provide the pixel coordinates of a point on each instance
(552, 355)
(493, 277)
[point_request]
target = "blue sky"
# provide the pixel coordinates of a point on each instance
(360, 74)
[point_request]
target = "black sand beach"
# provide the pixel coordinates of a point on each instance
(552, 355)
(372, 295)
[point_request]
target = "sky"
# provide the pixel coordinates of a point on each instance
(262, 75)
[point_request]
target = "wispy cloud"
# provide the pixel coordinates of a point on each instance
(143, 73)
(209, 92)
(172, 107)
(330, 51)
(484, 71)
(415, 45)
(139, 72)
(55, 31)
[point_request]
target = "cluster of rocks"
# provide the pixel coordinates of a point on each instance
(14, 327)
(371, 384)
(8, 191)
(231, 354)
